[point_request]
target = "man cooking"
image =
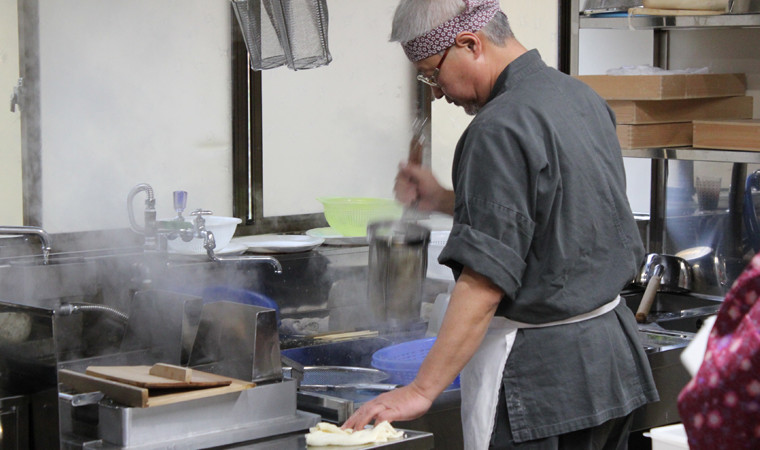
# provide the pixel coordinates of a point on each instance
(542, 243)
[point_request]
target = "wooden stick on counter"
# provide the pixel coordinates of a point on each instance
(172, 372)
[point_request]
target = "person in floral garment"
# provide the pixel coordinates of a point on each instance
(720, 406)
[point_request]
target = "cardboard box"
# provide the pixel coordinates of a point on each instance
(660, 111)
(666, 87)
(727, 134)
(676, 134)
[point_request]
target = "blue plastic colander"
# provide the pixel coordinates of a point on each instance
(402, 361)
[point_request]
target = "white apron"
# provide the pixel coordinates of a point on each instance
(481, 377)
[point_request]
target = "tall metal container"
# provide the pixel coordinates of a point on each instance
(397, 268)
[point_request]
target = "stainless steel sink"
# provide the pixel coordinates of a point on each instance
(671, 325)
(673, 305)
(683, 313)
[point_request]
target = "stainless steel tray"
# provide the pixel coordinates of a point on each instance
(260, 412)
(413, 440)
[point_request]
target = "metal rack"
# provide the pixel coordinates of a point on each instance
(661, 25)
(671, 22)
(694, 154)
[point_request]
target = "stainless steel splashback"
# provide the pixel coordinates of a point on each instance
(238, 341)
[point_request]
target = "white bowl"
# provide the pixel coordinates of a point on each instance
(223, 229)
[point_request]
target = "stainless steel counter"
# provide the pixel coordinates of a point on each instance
(413, 440)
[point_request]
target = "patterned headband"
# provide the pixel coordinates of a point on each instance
(476, 15)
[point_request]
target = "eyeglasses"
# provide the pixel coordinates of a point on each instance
(432, 80)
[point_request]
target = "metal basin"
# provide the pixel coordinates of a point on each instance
(676, 312)
(672, 322)
(672, 303)
(691, 320)
(355, 353)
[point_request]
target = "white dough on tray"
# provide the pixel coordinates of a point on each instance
(324, 434)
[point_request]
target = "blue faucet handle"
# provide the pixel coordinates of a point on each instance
(180, 201)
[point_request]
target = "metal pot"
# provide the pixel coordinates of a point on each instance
(396, 271)
(667, 273)
(708, 269)
(677, 275)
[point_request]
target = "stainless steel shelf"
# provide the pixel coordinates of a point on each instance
(695, 154)
(671, 22)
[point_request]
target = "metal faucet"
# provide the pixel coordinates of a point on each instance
(36, 231)
(149, 229)
(260, 258)
(209, 243)
(156, 234)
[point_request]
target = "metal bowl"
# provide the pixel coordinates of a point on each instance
(677, 274)
(708, 269)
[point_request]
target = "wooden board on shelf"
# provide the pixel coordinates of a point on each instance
(681, 110)
(716, 6)
(727, 134)
(665, 87)
(655, 135)
(672, 12)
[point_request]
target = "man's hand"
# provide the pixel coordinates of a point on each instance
(416, 186)
(405, 403)
(472, 306)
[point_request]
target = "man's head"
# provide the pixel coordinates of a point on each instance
(473, 34)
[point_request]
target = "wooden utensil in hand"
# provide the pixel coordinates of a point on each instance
(417, 144)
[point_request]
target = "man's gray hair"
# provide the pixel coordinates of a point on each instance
(414, 18)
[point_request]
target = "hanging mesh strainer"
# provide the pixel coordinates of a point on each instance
(284, 32)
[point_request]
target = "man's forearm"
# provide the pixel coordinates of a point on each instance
(471, 307)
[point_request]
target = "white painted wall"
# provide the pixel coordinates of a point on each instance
(339, 130)
(133, 91)
(139, 91)
(10, 126)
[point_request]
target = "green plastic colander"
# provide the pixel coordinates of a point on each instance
(350, 216)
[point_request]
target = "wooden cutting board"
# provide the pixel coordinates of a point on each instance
(148, 377)
(141, 397)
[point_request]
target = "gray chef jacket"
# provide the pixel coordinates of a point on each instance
(541, 210)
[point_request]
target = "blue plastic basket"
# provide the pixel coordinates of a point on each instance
(402, 361)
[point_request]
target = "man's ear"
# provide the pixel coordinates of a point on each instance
(470, 41)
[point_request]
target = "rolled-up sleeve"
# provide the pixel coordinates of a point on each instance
(493, 228)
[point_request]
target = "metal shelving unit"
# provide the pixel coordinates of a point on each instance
(671, 22)
(661, 26)
(695, 154)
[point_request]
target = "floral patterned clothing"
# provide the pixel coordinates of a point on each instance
(720, 406)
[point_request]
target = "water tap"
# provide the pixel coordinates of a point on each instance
(34, 231)
(149, 230)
